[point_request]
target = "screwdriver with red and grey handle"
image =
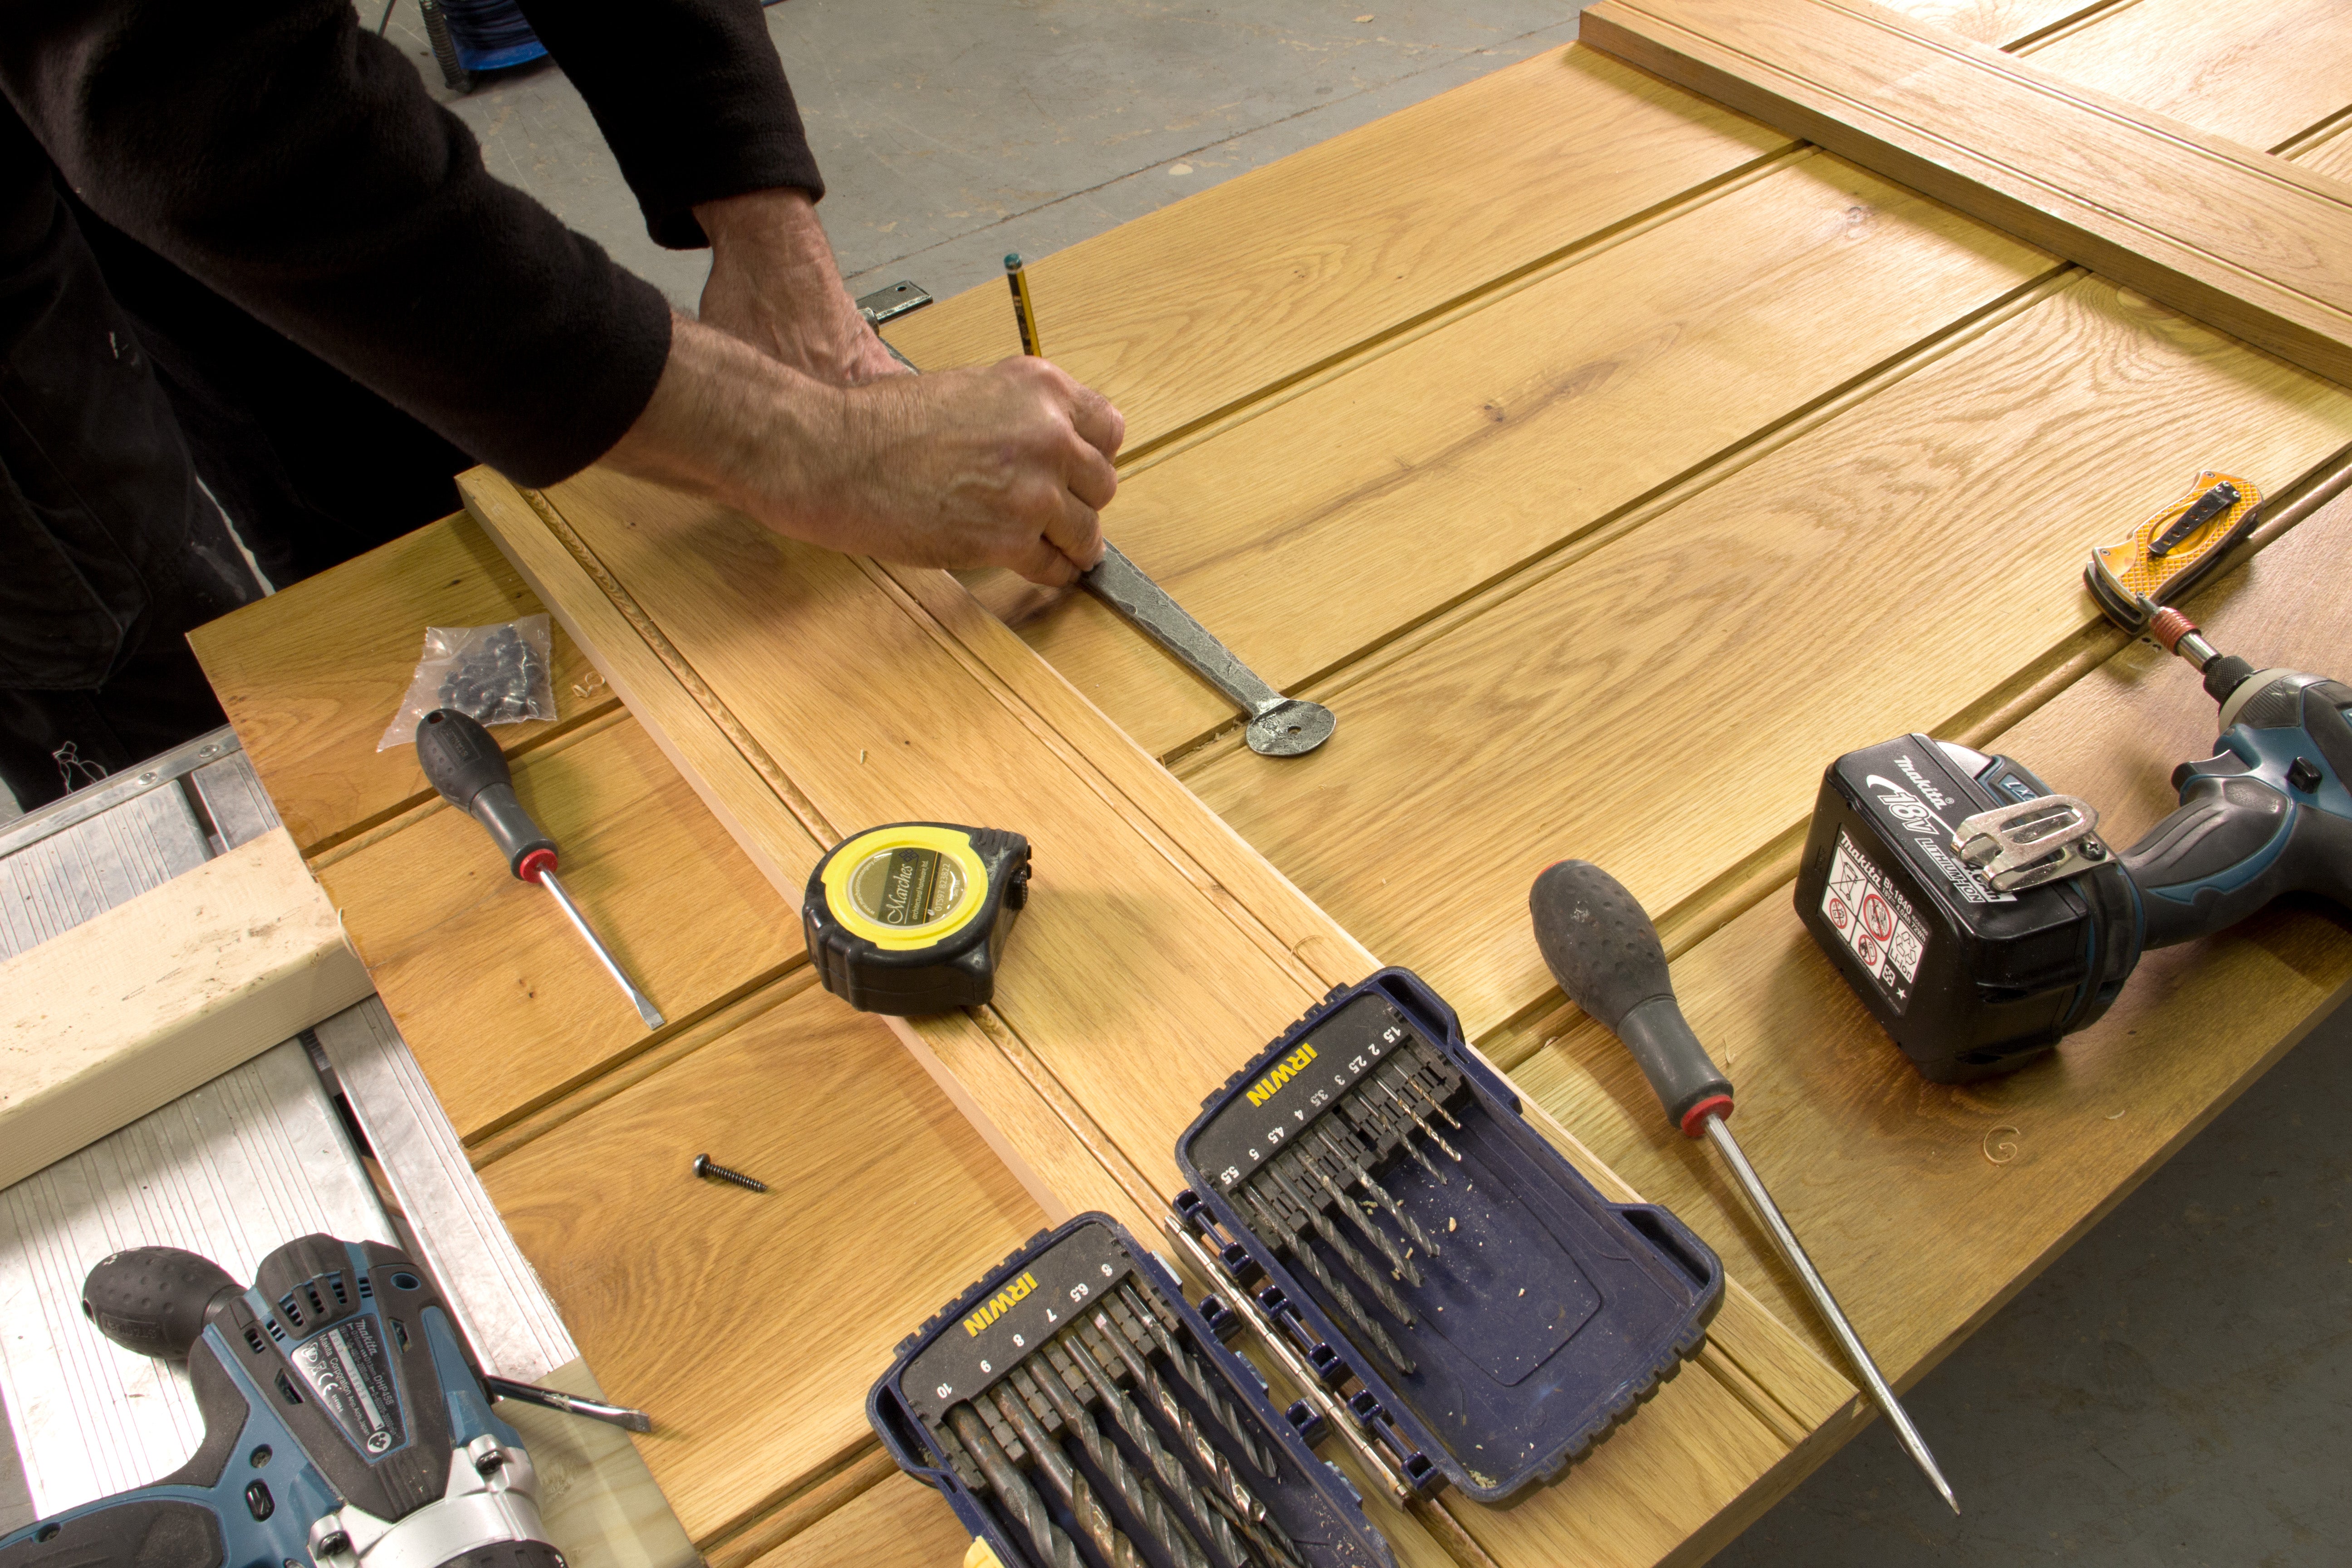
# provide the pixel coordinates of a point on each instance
(465, 765)
(1606, 955)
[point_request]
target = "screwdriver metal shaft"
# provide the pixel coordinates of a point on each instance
(465, 765)
(646, 1009)
(1792, 1253)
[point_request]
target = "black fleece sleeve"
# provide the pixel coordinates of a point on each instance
(690, 97)
(292, 161)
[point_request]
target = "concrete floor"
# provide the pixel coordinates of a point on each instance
(2174, 1390)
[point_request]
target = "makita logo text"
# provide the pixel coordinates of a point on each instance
(996, 1306)
(1287, 1069)
(1935, 797)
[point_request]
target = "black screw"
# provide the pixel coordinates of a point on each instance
(710, 1172)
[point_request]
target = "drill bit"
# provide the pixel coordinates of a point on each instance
(1109, 1542)
(1174, 1480)
(1196, 1377)
(1346, 1159)
(1378, 1237)
(1419, 1121)
(1232, 1493)
(1278, 1235)
(1065, 1388)
(1005, 1480)
(1437, 1065)
(1373, 1123)
(1355, 1262)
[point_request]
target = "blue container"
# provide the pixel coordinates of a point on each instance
(1548, 1313)
(490, 35)
(965, 1356)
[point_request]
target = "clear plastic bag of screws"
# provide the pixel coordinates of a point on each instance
(495, 675)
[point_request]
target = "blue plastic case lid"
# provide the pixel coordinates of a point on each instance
(1548, 1313)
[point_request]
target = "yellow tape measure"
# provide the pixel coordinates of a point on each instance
(910, 918)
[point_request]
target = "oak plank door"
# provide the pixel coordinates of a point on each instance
(2211, 227)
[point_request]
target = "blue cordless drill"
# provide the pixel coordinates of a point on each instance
(1980, 917)
(344, 1425)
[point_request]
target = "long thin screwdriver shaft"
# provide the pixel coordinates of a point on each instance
(1380, 1194)
(1109, 1542)
(1196, 1377)
(1357, 1217)
(1355, 1261)
(1278, 1235)
(1065, 1387)
(646, 1009)
(1005, 1480)
(1792, 1253)
(1248, 1512)
(1174, 1480)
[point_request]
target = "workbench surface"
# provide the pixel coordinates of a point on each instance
(1609, 463)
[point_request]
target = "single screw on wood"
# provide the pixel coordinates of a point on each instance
(709, 1172)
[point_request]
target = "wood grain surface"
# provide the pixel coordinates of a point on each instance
(899, 1523)
(949, 731)
(2259, 72)
(752, 1324)
(678, 905)
(2214, 228)
(1176, 315)
(129, 1010)
(1330, 522)
(311, 675)
(1865, 1156)
(1664, 704)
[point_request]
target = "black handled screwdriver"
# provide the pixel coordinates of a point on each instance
(1606, 955)
(465, 765)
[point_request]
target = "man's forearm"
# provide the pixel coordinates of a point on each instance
(729, 422)
(1002, 466)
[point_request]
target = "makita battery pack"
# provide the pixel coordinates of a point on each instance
(1969, 980)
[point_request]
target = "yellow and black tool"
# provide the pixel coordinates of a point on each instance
(910, 918)
(2170, 554)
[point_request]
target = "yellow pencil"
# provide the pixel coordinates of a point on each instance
(1024, 311)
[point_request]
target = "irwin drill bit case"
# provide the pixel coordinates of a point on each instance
(1075, 1410)
(1497, 1313)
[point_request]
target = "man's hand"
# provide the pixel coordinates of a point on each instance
(1005, 466)
(775, 285)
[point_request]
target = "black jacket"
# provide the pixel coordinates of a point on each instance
(282, 153)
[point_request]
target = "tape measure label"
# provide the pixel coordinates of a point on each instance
(907, 886)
